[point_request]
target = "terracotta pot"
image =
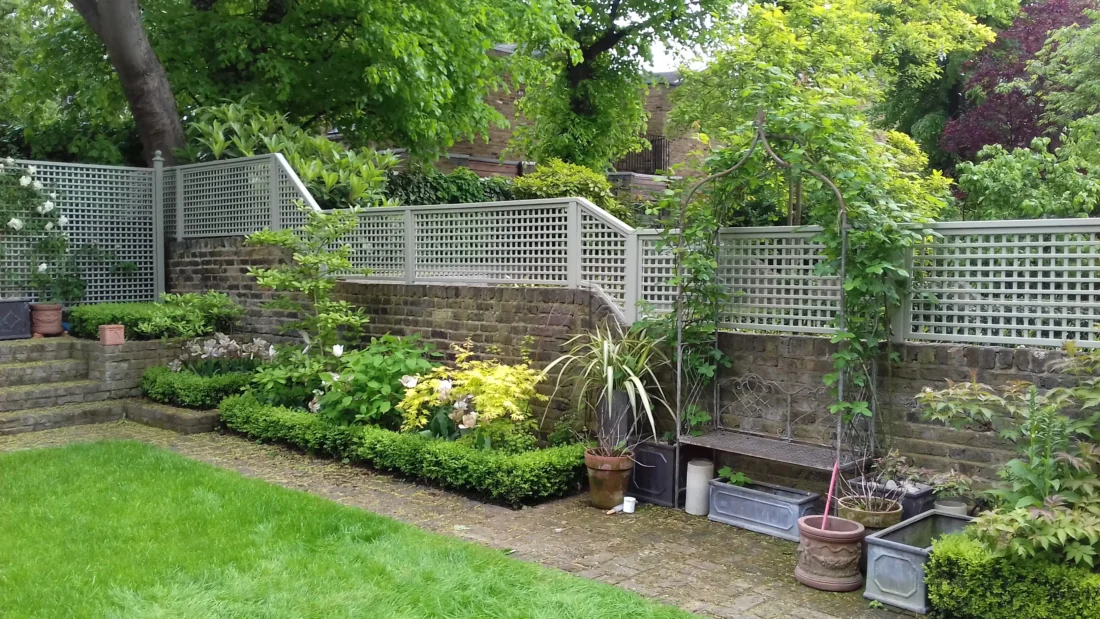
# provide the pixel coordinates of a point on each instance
(879, 519)
(829, 559)
(46, 319)
(608, 478)
(112, 335)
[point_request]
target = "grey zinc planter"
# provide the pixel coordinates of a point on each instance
(764, 508)
(896, 558)
(654, 477)
(15, 319)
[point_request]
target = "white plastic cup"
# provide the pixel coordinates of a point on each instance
(629, 503)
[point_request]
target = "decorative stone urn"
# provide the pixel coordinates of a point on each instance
(828, 559)
(608, 478)
(112, 335)
(46, 319)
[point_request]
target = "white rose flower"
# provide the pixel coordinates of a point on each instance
(9, 161)
(43, 267)
(47, 207)
(49, 225)
(337, 350)
(62, 221)
(24, 180)
(31, 169)
(37, 185)
(15, 223)
(53, 195)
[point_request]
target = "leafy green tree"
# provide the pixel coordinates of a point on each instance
(384, 73)
(807, 72)
(1067, 73)
(1030, 183)
(587, 107)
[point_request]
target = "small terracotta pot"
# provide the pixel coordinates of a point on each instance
(829, 559)
(112, 335)
(46, 319)
(608, 478)
(879, 519)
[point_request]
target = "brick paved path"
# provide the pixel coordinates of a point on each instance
(701, 566)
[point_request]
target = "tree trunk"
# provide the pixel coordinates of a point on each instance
(144, 81)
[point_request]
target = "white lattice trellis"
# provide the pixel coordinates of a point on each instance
(108, 208)
(771, 277)
(378, 243)
(1010, 282)
(604, 254)
(521, 243)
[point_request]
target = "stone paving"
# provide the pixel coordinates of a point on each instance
(701, 566)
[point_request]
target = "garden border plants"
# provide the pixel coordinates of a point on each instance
(190, 390)
(512, 479)
(965, 580)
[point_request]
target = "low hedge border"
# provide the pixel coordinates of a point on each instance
(84, 320)
(513, 479)
(189, 390)
(966, 582)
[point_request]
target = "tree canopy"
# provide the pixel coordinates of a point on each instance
(588, 106)
(389, 73)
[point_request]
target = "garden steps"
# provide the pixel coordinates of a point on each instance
(48, 418)
(43, 349)
(26, 397)
(138, 410)
(42, 372)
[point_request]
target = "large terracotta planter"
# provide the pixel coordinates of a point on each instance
(829, 559)
(879, 519)
(608, 478)
(46, 319)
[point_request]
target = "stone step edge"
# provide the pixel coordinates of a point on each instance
(72, 369)
(138, 410)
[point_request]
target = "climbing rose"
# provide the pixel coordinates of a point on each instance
(42, 267)
(24, 180)
(61, 221)
(15, 224)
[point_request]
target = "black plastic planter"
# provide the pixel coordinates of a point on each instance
(15, 319)
(654, 479)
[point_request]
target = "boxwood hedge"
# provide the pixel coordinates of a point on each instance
(190, 390)
(966, 582)
(513, 479)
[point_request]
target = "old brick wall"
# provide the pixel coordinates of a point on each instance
(509, 320)
(799, 364)
(503, 322)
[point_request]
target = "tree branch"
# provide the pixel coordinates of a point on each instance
(89, 10)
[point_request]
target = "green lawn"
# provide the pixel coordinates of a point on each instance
(122, 529)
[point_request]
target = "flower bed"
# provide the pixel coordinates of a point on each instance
(964, 580)
(513, 479)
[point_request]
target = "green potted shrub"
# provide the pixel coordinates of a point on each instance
(614, 374)
(31, 224)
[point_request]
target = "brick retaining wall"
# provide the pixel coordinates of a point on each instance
(511, 319)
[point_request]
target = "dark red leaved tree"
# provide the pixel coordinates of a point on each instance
(1012, 118)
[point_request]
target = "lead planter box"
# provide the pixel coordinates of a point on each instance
(896, 558)
(764, 508)
(15, 319)
(654, 477)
